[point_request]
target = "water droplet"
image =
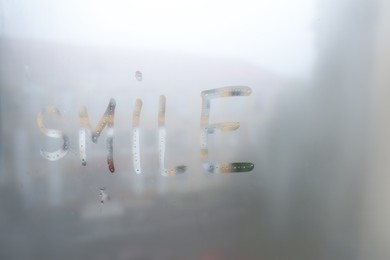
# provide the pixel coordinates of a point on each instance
(103, 195)
(138, 75)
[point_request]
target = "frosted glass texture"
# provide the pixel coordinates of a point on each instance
(194, 130)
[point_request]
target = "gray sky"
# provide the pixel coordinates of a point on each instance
(278, 34)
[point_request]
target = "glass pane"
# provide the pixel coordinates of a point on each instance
(194, 130)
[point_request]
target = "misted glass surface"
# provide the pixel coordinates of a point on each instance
(197, 130)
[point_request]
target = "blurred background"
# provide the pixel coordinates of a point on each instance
(315, 126)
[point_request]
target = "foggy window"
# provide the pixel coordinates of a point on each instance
(194, 130)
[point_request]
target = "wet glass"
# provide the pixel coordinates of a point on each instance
(197, 130)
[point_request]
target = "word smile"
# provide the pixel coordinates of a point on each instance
(107, 120)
